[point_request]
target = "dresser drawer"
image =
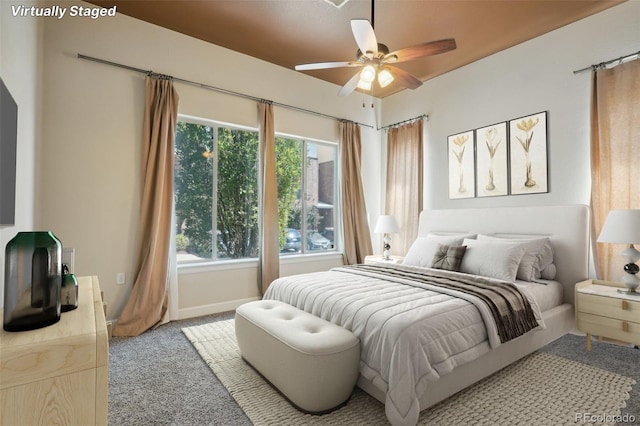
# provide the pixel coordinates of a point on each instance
(627, 310)
(625, 331)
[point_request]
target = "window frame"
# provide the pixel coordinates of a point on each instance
(207, 264)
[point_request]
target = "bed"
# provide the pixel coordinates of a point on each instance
(422, 340)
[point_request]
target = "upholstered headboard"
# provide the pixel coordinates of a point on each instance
(566, 226)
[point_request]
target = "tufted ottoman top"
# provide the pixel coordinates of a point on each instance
(301, 330)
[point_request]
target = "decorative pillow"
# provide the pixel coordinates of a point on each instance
(423, 249)
(492, 259)
(545, 256)
(448, 257)
(538, 254)
(549, 273)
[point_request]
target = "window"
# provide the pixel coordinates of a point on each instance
(306, 195)
(216, 193)
(217, 213)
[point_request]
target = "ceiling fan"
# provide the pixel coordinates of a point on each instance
(376, 61)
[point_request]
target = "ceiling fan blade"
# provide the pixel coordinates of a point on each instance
(327, 65)
(365, 37)
(404, 78)
(419, 50)
(350, 86)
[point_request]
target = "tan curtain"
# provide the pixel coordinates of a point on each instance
(615, 150)
(269, 257)
(404, 183)
(357, 238)
(148, 300)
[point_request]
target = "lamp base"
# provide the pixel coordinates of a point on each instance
(386, 253)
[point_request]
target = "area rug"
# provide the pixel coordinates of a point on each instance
(540, 389)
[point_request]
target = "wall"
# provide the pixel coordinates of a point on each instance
(90, 184)
(534, 76)
(20, 68)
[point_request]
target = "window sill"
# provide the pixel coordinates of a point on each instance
(303, 258)
(222, 265)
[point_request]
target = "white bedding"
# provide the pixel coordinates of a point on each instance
(547, 293)
(403, 349)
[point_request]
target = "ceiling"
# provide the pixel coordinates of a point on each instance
(291, 32)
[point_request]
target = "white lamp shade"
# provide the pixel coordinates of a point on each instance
(368, 74)
(385, 77)
(621, 227)
(387, 225)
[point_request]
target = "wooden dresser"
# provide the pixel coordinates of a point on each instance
(58, 374)
(604, 312)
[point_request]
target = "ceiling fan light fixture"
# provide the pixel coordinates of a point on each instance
(364, 85)
(368, 74)
(385, 77)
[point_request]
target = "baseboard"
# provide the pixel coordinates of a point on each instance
(214, 308)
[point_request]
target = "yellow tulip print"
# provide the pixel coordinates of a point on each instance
(459, 141)
(527, 127)
(461, 160)
(528, 154)
(492, 146)
(491, 160)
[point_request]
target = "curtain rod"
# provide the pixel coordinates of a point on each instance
(425, 116)
(216, 89)
(603, 65)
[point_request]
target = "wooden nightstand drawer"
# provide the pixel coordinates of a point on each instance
(625, 331)
(609, 307)
(603, 311)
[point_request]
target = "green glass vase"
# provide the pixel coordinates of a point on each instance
(32, 281)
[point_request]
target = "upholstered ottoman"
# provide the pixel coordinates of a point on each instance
(312, 362)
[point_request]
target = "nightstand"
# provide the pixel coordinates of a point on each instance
(377, 258)
(603, 311)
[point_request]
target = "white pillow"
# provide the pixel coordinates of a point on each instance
(492, 259)
(451, 234)
(538, 256)
(423, 249)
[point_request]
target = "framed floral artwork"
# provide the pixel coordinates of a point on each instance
(491, 160)
(461, 165)
(528, 154)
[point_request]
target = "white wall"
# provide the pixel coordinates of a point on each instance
(20, 65)
(531, 77)
(90, 186)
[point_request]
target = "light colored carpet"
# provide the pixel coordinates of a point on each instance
(541, 389)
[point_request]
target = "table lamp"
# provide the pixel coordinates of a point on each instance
(623, 227)
(386, 225)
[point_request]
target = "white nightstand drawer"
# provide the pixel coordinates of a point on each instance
(627, 310)
(626, 331)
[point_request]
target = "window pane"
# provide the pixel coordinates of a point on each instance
(319, 196)
(193, 191)
(237, 201)
(289, 178)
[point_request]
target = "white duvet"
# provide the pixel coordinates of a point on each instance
(411, 334)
